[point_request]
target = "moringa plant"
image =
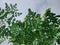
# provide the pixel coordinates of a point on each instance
(34, 30)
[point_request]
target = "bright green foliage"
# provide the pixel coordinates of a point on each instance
(33, 30)
(7, 16)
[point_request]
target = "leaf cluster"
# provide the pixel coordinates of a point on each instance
(33, 30)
